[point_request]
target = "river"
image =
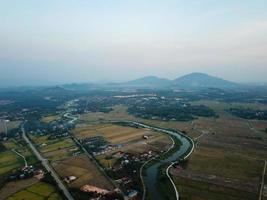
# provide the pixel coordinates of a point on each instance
(152, 171)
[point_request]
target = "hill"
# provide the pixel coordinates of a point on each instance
(202, 80)
(148, 81)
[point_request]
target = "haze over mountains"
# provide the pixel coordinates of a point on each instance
(189, 81)
(193, 80)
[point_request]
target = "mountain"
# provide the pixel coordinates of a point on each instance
(79, 86)
(148, 81)
(202, 80)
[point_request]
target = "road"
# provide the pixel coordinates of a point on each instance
(262, 179)
(173, 184)
(47, 166)
(23, 157)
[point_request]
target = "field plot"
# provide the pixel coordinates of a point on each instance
(119, 113)
(190, 189)
(50, 118)
(55, 149)
(228, 159)
(213, 173)
(13, 125)
(38, 191)
(15, 186)
(9, 125)
(131, 138)
(10, 161)
(85, 171)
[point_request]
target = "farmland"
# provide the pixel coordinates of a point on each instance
(130, 138)
(50, 118)
(10, 161)
(85, 171)
(38, 191)
(54, 149)
(228, 157)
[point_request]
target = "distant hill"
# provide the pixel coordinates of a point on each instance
(79, 86)
(148, 81)
(195, 80)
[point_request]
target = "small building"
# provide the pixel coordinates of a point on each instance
(69, 179)
(145, 137)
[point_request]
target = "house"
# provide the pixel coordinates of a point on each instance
(69, 179)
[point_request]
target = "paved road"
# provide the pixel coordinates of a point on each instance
(262, 179)
(47, 166)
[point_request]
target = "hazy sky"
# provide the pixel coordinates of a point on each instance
(56, 41)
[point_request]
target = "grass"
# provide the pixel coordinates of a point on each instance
(38, 191)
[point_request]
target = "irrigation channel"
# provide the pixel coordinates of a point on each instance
(151, 168)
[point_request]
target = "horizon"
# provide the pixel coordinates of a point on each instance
(48, 43)
(102, 82)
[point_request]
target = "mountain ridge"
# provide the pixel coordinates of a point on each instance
(192, 80)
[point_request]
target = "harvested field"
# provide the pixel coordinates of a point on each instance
(113, 133)
(85, 171)
(50, 118)
(119, 112)
(226, 164)
(131, 138)
(201, 190)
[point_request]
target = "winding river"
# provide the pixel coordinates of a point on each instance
(185, 150)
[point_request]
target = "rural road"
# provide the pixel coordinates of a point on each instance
(262, 179)
(47, 165)
(23, 157)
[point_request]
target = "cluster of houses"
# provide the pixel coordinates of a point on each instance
(27, 172)
(97, 145)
